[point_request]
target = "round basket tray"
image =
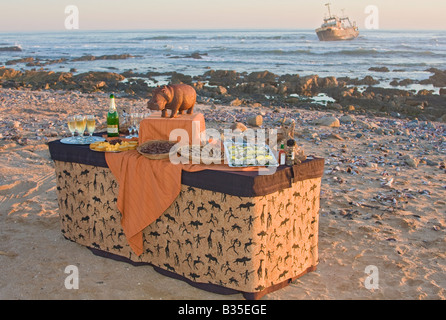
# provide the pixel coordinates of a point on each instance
(154, 156)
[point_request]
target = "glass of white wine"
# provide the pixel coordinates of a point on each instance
(71, 121)
(81, 124)
(91, 126)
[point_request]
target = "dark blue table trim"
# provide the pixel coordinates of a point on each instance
(236, 183)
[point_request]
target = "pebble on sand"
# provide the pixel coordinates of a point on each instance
(255, 121)
(328, 121)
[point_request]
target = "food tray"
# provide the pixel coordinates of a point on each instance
(132, 146)
(195, 154)
(249, 155)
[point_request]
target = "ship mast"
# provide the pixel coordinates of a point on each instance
(329, 11)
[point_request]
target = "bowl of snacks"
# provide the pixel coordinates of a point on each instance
(156, 149)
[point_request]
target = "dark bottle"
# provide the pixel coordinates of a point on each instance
(290, 152)
(112, 119)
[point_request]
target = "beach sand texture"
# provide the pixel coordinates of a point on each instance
(383, 204)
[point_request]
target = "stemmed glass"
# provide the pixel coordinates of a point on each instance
(81, 124)
(138, 119)
(135, 120)
(91, 126)
(71, 121)
(131, 126)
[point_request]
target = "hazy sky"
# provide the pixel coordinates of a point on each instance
(35, 15)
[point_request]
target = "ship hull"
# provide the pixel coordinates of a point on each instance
(335, 34)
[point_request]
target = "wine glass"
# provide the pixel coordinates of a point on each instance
(81, 124)
(71, 121)
(138, 119)
(131, 126)
(91, 126)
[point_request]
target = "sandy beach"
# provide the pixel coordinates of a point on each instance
(383, 204)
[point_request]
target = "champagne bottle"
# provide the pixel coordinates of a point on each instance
(112, 119)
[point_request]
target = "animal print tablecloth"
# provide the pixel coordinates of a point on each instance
(248, 244)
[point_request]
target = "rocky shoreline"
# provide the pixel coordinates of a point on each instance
(229, 87)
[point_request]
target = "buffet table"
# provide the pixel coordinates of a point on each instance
(226, 231)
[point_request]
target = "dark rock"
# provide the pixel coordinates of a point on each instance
(104, 57)
(115, 57)
(8, 73)
(404, 82)
(368, 80)
(263, 77)
(10, 84)
(388, 92)
(178, 78)
(289, 78)
(222, 77)
(307, 85)
(425, 92)
(55, 61)
(379, 69)
(437, 80)
(34, 62)
(23, 60)
(328, 82)
(84, 58)
(86, 82)
(12, 49)
(92, 81)
(196, 55)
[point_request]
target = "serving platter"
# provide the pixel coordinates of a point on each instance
(82, 141)
(105, 146)
(249, 155)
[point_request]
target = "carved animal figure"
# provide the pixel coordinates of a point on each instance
(176, 97)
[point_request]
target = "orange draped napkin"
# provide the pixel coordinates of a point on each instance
(147, 188)
(155, 127)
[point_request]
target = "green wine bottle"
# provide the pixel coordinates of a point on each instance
(112, 119)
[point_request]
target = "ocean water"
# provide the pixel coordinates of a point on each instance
(407, 54)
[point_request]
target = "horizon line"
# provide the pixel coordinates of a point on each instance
(202, 29)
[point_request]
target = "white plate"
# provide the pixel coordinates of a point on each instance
(83, 141)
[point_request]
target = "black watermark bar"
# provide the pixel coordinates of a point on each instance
(225, 309)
